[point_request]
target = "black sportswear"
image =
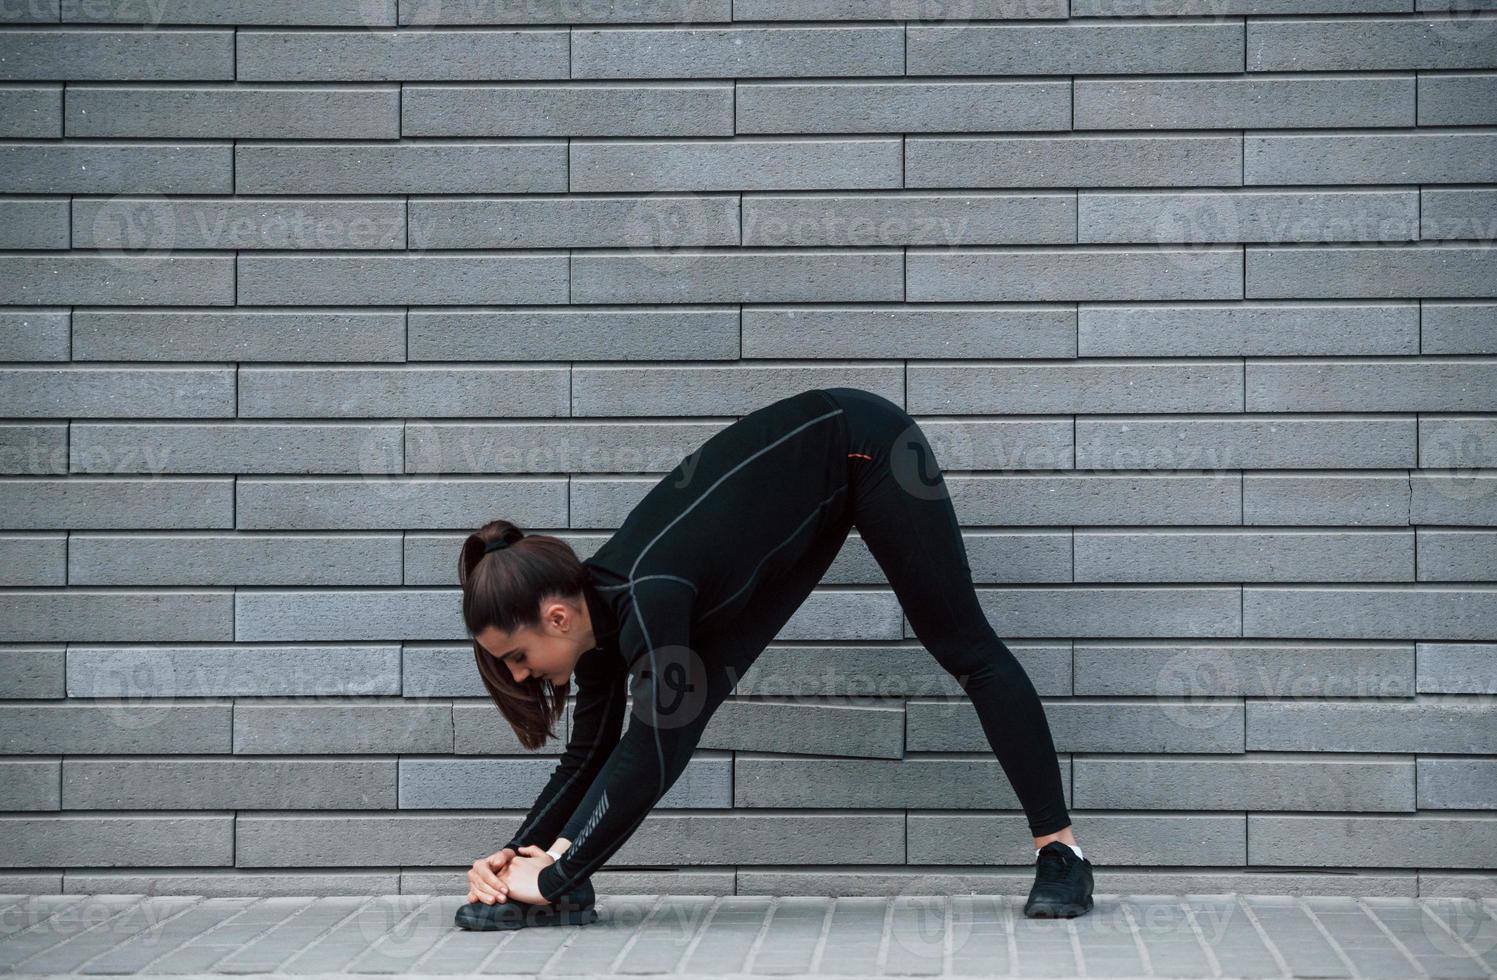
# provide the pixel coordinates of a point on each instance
(709, 566)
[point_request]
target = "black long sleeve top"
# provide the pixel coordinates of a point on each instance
(735, 513)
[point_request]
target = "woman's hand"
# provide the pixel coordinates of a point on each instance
(484, 881)
(521, 876)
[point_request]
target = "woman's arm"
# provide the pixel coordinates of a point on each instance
(597, 719)
(672, 691)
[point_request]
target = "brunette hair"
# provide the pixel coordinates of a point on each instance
(505, 589)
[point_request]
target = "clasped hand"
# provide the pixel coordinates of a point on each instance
(507, 875)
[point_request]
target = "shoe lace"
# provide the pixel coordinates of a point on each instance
(1052, 866)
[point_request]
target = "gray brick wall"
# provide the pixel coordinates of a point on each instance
(1197, 298)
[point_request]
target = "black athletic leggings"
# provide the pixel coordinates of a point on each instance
(897, 499)
(899, 503)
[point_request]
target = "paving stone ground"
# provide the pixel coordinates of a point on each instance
(1226, 935)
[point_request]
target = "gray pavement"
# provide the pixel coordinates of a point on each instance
(1224, 935)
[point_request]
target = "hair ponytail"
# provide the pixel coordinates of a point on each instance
(504, 588)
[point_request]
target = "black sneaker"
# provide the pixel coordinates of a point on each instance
(1062, 884)
(573, 908)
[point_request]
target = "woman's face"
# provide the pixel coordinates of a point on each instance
(549, 651)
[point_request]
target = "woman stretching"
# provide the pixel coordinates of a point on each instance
(677, 604)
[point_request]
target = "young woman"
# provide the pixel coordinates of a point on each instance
(677, 604)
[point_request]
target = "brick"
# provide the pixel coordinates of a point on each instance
(362, 727)
(1458, 99)
(1154, 839)
(1244, 103)
(1103, 386)
(36, 559)
(1247, 442)
(352, 504)
(1153, 725)
(1457, 668)
(875, 220)
(1245, 556)
(30, 111)
(85, 391)
(100, 54)
(405, 278)
(623, 390)
(1363, 44)
(1462, 496)
(228, 784)
(159, 448)
(589, 109)
(579, 222)
(380, 55)
(115, 726)
(1256, 781)
(76, 615)
(113, 840)
(1456, 556)
(30, 785)
(427, 13)
(1376, 841)
(744, 163)
(235, 559)
(331, 13)
(1389, 385)
(1231, 8)
(738, 52)
(1244, 668)
(400, 168)
(575, 333)
(1248, 329)
(1073, 48)
(1149, 498)
(1080, 160)
(1457, 784)
(1452, 214)
(1456, 443)
(820, 728)
(926, 106)
(893, 10)
(1390, 612)
(117, 168)
(34, 223)
(910, 331)
(736, 276)
(244, 223)
(376, 392)
(1377, 158)
(574, 447)
(240, 112)
(239, 335)
(226, 671)
(1201, 217)
(125, 279)
(1432, 270)
(1034, 275)
(1326, 498)
(31, 12)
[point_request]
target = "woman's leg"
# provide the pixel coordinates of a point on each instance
(904, 513)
